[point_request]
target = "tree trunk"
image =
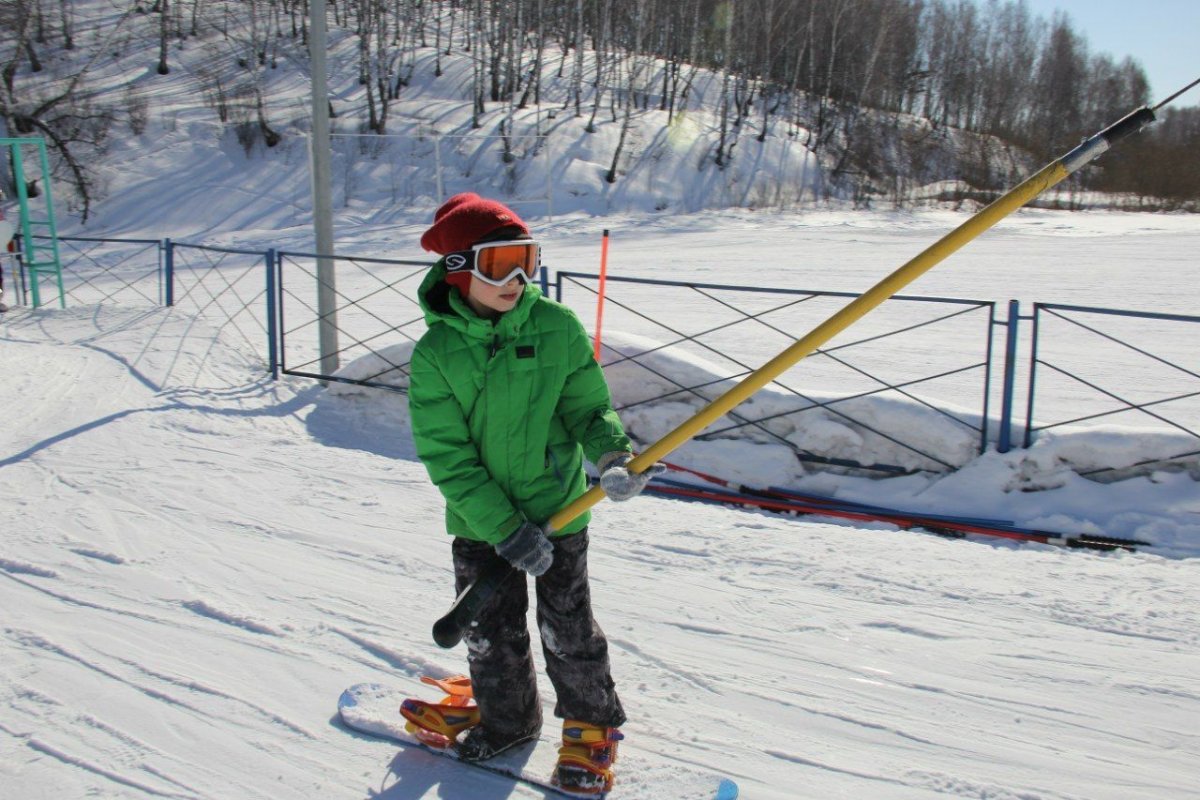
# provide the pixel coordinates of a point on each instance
(163, 28)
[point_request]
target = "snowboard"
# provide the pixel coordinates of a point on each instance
(373, 709)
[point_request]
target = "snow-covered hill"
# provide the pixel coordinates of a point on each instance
(665, 162)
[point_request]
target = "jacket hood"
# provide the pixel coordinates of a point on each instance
(442, 303)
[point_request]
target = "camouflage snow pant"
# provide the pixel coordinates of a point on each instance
(498, 645)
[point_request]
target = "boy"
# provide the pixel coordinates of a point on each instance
(506, 399)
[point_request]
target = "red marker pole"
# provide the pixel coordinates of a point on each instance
(600, 293)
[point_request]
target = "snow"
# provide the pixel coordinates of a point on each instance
(197, 560)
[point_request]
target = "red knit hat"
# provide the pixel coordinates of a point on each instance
(464, 220)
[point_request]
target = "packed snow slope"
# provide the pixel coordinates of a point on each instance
(198, 560)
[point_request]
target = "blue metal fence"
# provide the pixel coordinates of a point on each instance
(231, 288)
(1126, 368)
(99, 271)
(376, 305)
(738, 328)
(1103, 364)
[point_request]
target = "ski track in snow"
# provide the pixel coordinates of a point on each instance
(20, 568)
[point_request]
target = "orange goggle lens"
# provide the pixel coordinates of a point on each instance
(500, 260)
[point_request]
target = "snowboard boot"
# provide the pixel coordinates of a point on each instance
(439, 724)
(586, 758)
(481, 743)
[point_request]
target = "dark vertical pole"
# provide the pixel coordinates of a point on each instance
(168, 272)
(19, 261)
(272, 330)
(280, 310)
(1010, 371)
(1033, 360)
(987, 377)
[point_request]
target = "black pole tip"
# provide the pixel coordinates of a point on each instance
(446, 632)
(1128, 125)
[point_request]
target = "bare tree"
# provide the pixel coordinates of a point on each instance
(723, 132)
(577, 70)
(1057, 85)
(843, 75)
(67, 17)
(478, 43)
(638, 13)
(600, 43)
(375, 64)
(163, 28)
(251, 38)
(772, 19)
(60, 110)
(533, 85)
(1011, 57)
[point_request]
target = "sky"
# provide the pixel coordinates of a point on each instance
(1160, 34)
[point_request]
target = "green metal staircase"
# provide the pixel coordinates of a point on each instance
(39, 235)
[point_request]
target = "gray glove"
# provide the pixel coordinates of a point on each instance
(618, 482)
(528, 549)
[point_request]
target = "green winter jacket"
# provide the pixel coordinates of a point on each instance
(504, 413)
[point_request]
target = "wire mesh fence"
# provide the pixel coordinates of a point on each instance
(1129, 370)
(226, 287)
(731, 331)
(376, 307)
(1088, 367)
(120, 271)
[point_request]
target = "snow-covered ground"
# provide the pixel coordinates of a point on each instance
(198, 560)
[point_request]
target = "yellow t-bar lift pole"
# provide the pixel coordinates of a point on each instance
(1047, 177)
(449, 630)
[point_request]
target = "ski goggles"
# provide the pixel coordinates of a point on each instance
(497, 263)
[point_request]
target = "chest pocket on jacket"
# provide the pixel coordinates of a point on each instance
(525, 385)
(521, 361)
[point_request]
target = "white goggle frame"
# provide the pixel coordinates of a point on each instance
(468, 261)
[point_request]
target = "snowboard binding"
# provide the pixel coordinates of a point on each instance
(586, 758)
(438, 724)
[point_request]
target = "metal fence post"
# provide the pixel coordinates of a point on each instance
(272, 330)
(168, 272)
(19, 265)
(1010, 370)
(988, 361)
(1033, 360)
